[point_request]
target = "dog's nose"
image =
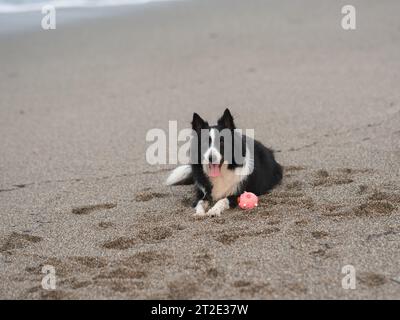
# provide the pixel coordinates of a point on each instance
(212, 158)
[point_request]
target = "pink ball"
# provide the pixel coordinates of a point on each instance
(248, 200)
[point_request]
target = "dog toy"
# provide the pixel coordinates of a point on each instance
(248, 200)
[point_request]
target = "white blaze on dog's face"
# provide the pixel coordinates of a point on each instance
(212, 158)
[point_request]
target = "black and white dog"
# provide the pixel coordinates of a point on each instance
(224, 164)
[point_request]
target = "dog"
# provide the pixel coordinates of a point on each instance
(222, 168)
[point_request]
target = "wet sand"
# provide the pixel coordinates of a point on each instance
(76, 191)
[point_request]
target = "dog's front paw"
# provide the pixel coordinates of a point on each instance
(201, 209)
(214, 212)
(218, 208)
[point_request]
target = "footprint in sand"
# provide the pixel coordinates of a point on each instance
(92, 208)
(155, 234)
(144, 236)
(252, 289)
(371, 279)
(319, 234)
(144, 196)
(374, 207)
(121, 243)
(323, 178)
(18, 241)
(228, 237)
(105, 224)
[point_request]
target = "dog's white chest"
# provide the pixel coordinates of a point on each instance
(225, 185)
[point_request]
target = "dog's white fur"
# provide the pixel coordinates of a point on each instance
(179, 174)
(212, 150)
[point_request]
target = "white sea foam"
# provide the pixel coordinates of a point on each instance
(9, 6)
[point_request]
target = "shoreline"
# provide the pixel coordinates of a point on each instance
(37, 7)
(15, 23)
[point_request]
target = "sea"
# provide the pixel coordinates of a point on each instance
(16, 6)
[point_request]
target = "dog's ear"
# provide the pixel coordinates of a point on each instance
(197, 123)
(226, 120)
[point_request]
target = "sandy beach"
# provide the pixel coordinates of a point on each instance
(77, 193)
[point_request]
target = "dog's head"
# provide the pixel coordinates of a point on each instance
(216, 145)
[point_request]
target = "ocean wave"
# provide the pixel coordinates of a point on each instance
(27, 6)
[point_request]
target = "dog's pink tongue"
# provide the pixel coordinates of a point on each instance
(214, 170)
